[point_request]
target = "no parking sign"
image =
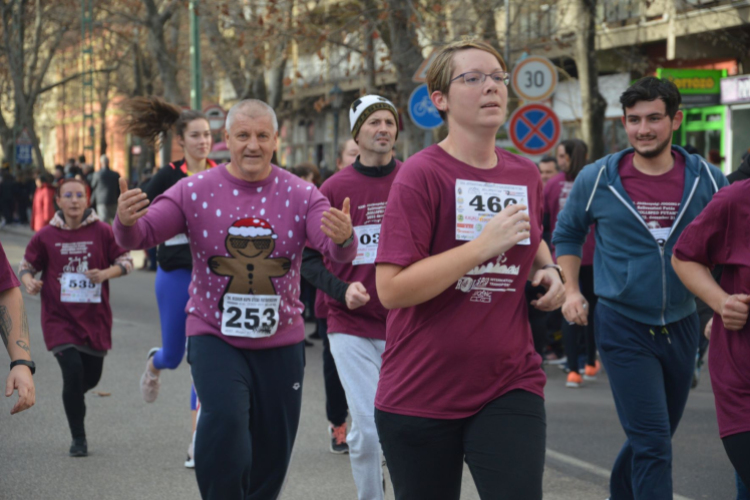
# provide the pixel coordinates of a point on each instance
(534, 129)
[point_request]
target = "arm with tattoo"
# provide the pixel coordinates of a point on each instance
(14, 330)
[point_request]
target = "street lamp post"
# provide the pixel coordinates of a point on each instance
(337, 99)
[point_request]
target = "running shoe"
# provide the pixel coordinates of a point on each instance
(149, 382)
(574, 380)
(79, 448)
(338, 439)
(591, 371)
(190, 461)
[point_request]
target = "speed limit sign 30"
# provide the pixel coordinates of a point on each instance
(534, 79)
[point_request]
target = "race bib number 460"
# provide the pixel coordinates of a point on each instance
(368, 237)
(252, 316)
(478, 202)
(76, 287)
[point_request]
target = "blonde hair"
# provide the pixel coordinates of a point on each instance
(440, 72)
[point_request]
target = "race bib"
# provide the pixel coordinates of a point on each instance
(252, 316)
(76, 287)
(660, 234)
(478, 202)
(369, 237)
(180, 239)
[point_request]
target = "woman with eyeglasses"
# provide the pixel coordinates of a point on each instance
(77, 256)
(460, 378)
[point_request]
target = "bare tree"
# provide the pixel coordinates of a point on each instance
(593, 104)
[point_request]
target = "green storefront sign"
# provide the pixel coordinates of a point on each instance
(698, 87)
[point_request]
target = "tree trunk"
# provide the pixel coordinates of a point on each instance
(593, 105)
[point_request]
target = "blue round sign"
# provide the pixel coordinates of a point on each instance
(423, 113)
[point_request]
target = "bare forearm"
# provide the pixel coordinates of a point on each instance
(697, 278)
(542, 258)
(426, 279)
(14, 327)
(571, 266)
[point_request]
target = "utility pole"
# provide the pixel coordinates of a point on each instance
(87, 81)
(196, 96)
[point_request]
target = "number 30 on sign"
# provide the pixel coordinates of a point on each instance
(534, 79)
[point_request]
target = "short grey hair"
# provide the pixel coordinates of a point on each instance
(104, 161)
(251, 107)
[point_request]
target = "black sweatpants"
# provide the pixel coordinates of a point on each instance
(250, 407)
(337, 408)
(573, 334)
(503, 445)
(737, 447)
(81, 372)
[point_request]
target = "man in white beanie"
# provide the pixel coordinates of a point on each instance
(356, 318)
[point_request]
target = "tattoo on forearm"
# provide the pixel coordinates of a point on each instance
(24, 323)
(23, 345)
(6, 324)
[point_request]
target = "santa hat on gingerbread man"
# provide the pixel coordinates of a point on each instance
(252, 227)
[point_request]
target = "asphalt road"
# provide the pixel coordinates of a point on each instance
(137, 449)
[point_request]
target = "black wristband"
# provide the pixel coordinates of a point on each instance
(348, 241)
(30, 364)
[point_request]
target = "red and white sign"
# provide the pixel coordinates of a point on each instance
(534, 129)
(534, 79)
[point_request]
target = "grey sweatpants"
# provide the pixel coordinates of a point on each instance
(358, 361)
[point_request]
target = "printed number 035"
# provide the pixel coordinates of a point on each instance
(81, 284)
(252, 315)
(494, 204)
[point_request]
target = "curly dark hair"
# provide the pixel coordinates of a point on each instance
(650, 88)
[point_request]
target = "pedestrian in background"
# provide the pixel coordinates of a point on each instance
(104, 191)
(43, 205)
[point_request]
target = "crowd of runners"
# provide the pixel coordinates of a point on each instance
(437, 281)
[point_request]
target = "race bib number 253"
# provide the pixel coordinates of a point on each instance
(252, 316)
(478, 202)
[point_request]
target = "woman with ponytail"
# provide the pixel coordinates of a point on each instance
(149, 118)
(571, 158)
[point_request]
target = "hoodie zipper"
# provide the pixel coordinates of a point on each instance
(660, 246)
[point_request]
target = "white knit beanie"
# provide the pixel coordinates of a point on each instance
(363, 107)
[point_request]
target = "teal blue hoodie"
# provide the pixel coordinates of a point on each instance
(632, 271)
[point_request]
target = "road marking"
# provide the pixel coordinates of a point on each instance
(593, 469)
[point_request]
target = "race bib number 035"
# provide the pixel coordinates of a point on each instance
(478, 202)
(368, 237)
(252, 316)
(76, 287)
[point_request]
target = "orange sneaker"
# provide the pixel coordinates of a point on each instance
(338, 439)
(591, 371)
(574, 380)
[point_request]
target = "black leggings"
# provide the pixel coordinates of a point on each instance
(337, 408)
(737, 447)
(81, 372)
(572, 334)
(503, 445)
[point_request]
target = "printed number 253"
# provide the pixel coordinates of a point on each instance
(252, 315)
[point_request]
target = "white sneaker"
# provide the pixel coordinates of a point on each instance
(149, 382)
(190, 462)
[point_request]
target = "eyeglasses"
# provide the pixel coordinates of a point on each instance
(69, 195)
(475, 78)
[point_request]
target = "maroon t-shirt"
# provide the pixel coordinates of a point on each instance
(368, 197)
(556, 194)
(657, 197)
(448, 357)
(54, 251)
(8, 278)
(719, 235)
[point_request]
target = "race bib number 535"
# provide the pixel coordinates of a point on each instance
(252, 316)
(76, 287)
(478, 202)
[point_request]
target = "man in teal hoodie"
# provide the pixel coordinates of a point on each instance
(647, 330)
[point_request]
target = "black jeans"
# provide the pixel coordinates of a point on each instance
(336, 406)
(737, 447)
(250, 407)
(573, 334)
(81, 372)
(503, 445)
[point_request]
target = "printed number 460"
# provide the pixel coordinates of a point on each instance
(252, 315)
(494, 204)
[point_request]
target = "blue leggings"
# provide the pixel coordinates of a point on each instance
(172, 297)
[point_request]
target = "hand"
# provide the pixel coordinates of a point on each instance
(337, 224)
(20, 378)
(33, 286)
(356, 295)
(734, 311)
(555, 296)
(504, 230)
(97, 275)
(131, 205)
(707, 330)
(576, 309)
